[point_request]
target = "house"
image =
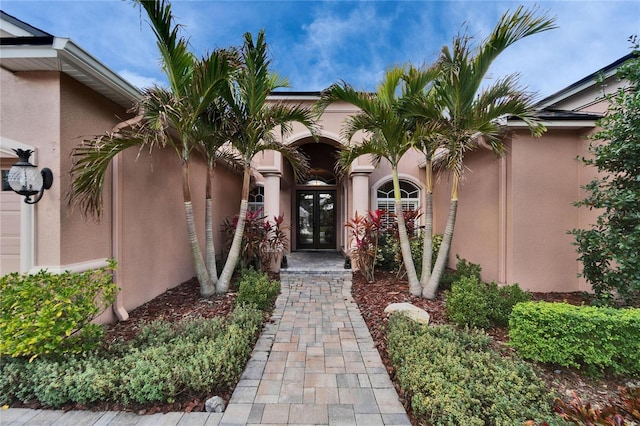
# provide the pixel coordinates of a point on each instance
(513, 214)
(512, 219)
(55, 95)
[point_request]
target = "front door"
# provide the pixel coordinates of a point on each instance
(316, 219)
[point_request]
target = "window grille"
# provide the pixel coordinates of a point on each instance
(409, 195)
(256, 199)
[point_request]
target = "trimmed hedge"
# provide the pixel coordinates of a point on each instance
(162, 362)
(51, 314)
(455, 378)
(596, 338)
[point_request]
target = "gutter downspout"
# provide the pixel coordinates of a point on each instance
(116, 222)
(502, 221)
(116, 231)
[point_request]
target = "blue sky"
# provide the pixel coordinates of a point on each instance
(315, 43)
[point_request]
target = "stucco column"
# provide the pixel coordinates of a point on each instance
(360, 189)
(271, 193)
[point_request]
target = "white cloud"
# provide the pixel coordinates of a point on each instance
(138, 80)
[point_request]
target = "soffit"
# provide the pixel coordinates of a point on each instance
(63, 55)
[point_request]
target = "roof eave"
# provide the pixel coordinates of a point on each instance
(73, 53)
(77, 63)
(555, 124)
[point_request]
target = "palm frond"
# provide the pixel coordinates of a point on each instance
(177, 60)
(343, 92)
(91, 162)
(511, 28)
(349, 155)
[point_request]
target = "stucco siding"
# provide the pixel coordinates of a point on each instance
(29, 114)
(544, 176)
(84, 114)
(476, 232)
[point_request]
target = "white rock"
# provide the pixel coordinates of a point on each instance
(412, 311)
(214, 405)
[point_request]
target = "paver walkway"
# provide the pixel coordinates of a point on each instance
(315, 363)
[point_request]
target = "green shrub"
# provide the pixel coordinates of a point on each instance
(455, 378)
(473, 303)
(467, 304)
(597, 338)
(390, 258)
(51, 313)
(463, 269)
(194, 356)
(256, 288)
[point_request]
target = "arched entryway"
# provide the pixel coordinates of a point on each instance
(317, 199)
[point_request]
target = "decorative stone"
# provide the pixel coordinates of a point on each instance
(214, 405)
(412, 311)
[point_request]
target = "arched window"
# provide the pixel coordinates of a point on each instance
(409, 194)
(256, 199)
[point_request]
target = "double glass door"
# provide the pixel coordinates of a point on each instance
(316, 219)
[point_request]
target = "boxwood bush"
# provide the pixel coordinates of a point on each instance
(163, 362)
(474, 303)
(596, 338)
(453, 377)
(255, 288)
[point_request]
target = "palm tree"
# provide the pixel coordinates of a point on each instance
(217, 129)
(167, 117)
(467, 113)
(427, 139)
(389, 136)
(255, 123)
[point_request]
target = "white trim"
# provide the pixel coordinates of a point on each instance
(73, 267)
(560, 124)
(292, 97)
(14, 30)
(27, 217)
(373, 199)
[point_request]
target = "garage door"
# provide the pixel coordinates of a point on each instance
(9, 225)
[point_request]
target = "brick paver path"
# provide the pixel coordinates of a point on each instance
(315, 363)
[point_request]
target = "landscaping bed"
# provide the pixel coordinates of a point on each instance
(184, 302)
(373, 297)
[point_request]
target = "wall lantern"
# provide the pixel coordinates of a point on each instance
(25, 179)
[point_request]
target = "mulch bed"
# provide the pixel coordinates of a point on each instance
(373, 298)
(184, 302)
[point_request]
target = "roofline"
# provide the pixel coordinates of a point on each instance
(23, 28)
(300, 96)
(70, 53)
(584, 83)
(74, 53)
(557, 124)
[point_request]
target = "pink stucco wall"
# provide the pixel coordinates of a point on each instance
(54, 113)
(83, 113)
(543, 180)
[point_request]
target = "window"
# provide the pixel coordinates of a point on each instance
(409, 194)
(256, 199)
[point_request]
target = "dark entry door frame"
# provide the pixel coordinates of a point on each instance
(316, 215)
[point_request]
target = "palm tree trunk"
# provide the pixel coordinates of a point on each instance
(431, 289)
(207, 288)
(210, 249)
(414, 285)
(236, 244)
(427, 244)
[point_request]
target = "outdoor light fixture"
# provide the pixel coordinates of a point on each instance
(25, 179)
